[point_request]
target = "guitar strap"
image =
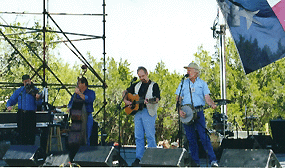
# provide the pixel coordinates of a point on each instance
(193, 108)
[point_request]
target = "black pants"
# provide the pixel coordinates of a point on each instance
(26, 123)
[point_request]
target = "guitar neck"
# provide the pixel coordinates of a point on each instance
(138, 102)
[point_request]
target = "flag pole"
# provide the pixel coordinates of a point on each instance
(222, 33)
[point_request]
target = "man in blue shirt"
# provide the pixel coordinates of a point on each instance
(88, 96)
(27, 99)
(195, 92)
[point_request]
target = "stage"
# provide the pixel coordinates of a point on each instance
(242, 149)
(102, 156)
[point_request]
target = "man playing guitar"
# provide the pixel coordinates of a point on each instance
(146, 114)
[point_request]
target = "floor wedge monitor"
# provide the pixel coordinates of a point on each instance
(23, 155)
(159, 157)
(58, 159)
(96, 156)
(248, 158)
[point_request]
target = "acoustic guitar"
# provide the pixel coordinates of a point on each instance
(136, 101)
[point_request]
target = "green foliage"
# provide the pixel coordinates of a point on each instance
(167, 116)
(258, 94)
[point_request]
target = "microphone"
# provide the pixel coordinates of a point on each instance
(84, 67)
(134, 79)
(186, 76)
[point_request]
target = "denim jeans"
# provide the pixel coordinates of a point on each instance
(190, 130)
(89, 127)
(144, 125)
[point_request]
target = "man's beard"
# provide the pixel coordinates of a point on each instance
(144, 81)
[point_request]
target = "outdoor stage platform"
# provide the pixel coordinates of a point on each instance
(241, 150)
(102, 156)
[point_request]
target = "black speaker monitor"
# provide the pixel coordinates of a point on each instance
(59, 159)
(96, 156)
(23, 155)
(249, 158)
(165, 157)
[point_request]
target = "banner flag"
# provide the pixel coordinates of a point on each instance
(257, 32)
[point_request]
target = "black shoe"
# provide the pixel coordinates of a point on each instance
(136, 163)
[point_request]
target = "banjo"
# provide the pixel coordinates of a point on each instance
(191, 114)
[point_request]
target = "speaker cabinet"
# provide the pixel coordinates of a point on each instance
(96, 156)
(4, 146)
(262, 141)
(249, 158)
(237, 143)
(278, 134)
(60, 159)
(159, 157)
(23, 155)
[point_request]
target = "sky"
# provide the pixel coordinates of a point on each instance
(143, 32)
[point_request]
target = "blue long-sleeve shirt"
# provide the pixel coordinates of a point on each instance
(25, 101)
(89, 99)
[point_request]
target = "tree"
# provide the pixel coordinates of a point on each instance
(25, 47)
(167, 116)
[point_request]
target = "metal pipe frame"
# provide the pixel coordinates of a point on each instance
(47, 15)
(76, 14)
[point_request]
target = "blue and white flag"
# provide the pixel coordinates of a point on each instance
(257, 32)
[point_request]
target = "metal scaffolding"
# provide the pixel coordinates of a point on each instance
(44, 66)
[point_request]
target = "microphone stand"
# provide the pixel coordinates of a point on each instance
(58, 89)
(178, 110)
(236, 125)
(120, 120)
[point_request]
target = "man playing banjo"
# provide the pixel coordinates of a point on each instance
(193, 93)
